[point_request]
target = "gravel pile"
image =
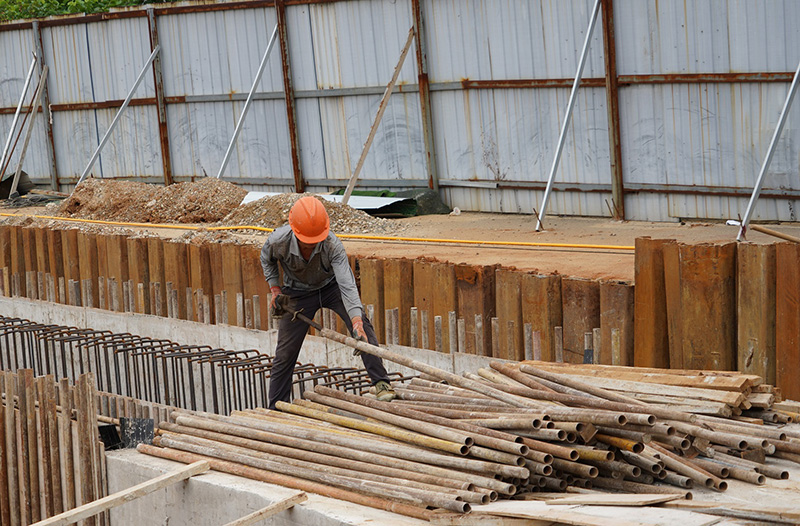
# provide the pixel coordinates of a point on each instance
(205, 201)
(273, 211)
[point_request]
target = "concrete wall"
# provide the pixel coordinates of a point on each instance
(212, 499)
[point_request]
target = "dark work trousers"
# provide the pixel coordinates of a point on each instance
(292, 333)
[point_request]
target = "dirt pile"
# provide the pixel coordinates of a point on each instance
(273, 211)
(205, 201)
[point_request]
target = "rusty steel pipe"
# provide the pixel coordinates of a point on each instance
(398, 450)
(508, 422)
(712, 467)
(675, 479)
(418, 512)
(426, 396)
(339, 446)
(409, 495)
(596, 417)
(734, 440)
(739, 472)
(688, 469)
(313, 465)
(555, 450)
(539, 468)
(481, 436)
(302, 454)
(378, 429)
(635, 487)
(574, 383)
(647, 464)
(576, 468)
(425, 428)
(744, 428)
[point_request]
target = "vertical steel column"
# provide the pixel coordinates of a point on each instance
(161, 107)
(770, 152)
(288, 90)
(48, 122)
(612, 105)
(570, 105)
(425, 96)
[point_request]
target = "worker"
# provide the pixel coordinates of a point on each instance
(316, 274)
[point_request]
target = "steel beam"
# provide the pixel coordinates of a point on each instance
(48, 120)
(161, 107)
(288, 90)
(425, 96)
(612, 105)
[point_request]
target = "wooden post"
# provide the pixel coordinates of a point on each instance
(755, 301)
(461, 325)
(28, 446)
(414, 327)
(480, 337)
(252, 280)
(787, 320)
(542, 308)
(86, 262)
(9, 491)
(651, 346)
(437, 331)
(424, 295)
(372, 291)
(104, 291)
(87, 428)
(509, 309)
(616, 312)
(708, 293)
(398, 293)
(559, 342)
(56, 258)
(475, 291)
(672, 294)
(17, 258)
(176, 270)
(46, 487)
(581, 304)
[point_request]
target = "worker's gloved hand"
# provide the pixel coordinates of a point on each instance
(358, 332)
(279, 301)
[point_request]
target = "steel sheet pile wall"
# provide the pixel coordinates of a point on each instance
(476, 110)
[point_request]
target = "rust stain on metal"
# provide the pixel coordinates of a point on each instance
(468, 84)
(288, 90)
(612, 105)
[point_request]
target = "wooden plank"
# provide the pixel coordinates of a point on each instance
(733, 398)
(708, 293)
(252, 273)
(616, 312)
(596, 515)
(755, 301)
(56, 256)
(46, 486)
(12, 448)
(616, 499)
(66, 401)
(88, 266)
(17, 256)
(51, 416)
(155, 267)
(232, 277)
(651, 345)
(752, 512)
(6, 405)
(139, 272)
(509, 309)
(398, 293)
(28, 454)
(581, 311)
(542, 308)
(270, 510)
(104, 298)
(475, 295)
(217, 278)
(89, 510)
(5, 246)
(672, 294)
(444, 299)
(200, 273)
(87, 430)
(787, 320)
(42, 257)
(724, 383)
(372, 290)
(424, 296)
(117, 261)
(29, 256)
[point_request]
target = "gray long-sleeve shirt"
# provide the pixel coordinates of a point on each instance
(328, 262)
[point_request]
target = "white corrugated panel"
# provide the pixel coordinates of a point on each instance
(509, 39)
(359, 43)
(708, 135)
(67, 52)
(17, 48)
(118, 49)
(75, 136)
(218, 52)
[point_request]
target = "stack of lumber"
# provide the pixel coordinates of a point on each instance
(512, 431)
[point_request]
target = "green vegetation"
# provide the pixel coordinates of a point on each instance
(16, 9)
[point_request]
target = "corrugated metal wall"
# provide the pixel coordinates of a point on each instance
(701, 86)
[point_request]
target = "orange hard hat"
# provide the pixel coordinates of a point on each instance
(309, 220)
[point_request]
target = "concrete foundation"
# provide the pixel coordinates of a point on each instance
(217, 498)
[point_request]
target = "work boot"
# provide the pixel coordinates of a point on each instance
(384, 391)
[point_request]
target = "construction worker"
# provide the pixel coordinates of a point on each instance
(316, 274)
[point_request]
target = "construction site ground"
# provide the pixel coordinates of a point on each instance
(587, 262)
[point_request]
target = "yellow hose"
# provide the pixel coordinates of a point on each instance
(342, 236)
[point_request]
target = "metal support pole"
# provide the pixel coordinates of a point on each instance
(16, 114)
(161, 106)
(425, 96)
(612, 104)
(289, 97)
(119, 114)
(381, 109)
(770, 152)
(48, 120)
(572, 96)
(37, 97)
(248, 101)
